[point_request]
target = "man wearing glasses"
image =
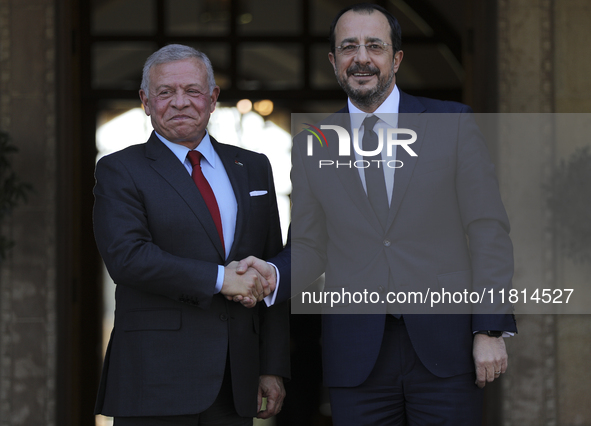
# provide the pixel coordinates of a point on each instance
(438, 221)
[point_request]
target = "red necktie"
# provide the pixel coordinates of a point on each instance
(206, 191)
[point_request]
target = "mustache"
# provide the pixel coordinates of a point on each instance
(365, 68)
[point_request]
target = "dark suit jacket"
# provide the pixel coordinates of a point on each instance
(167, 352)
(447, 228)
(283, 263)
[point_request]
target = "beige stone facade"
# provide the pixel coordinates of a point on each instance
(28, 277)
(542, 70)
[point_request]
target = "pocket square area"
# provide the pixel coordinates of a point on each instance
(257, 193)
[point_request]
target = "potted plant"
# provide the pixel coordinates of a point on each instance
(12, 189)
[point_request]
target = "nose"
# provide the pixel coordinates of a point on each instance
(180, 99)
(362, 56)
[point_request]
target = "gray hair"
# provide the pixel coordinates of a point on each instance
(172, 53)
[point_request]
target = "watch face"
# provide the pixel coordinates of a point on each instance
(495, 333)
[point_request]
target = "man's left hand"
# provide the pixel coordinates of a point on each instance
(272, 388)
(490, 358)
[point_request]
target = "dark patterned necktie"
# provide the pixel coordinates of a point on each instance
(374, 175)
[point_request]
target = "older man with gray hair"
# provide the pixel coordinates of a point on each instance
(170, 217)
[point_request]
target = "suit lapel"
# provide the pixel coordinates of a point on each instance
(410, 118)
(349, 176)
(238, 175)
(169, 167)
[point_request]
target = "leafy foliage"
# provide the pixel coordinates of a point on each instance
(570, 201)
(12, 190)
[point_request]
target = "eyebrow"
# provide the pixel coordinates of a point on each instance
(374, 39)
(168, 86)
(367, 40)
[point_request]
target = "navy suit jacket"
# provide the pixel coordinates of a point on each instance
(168, 349)
(283, 263)
(447, 228)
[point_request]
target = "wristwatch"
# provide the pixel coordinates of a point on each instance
(491, 333)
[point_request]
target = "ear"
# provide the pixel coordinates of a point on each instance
(397, 60)
(145, 103)
(331, 58)
(214, 98)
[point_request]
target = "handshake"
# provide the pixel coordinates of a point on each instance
(249, 281)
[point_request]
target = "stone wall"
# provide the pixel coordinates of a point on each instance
(543, 68)
(28, 275)
(573, 95)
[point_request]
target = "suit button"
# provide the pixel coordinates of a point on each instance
(387, 243)
(224, 317)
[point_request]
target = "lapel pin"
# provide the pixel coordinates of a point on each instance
(238, 162)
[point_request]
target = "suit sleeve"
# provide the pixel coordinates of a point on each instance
(308, 226)
(486, 224)
(283, 263)
(124, 240)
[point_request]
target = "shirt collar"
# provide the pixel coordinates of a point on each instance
(387, 111)
(205, 148)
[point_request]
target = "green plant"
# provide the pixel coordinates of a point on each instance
(569, 198)
(12, 189)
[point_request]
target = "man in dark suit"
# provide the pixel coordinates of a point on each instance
(435, 223)
(170, 217)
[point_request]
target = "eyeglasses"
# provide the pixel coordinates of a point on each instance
(375, 48)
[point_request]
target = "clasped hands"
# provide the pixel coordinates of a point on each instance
(249, 281)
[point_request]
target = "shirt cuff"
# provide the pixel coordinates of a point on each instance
(270, 299)
(505, 333)
(220, 281)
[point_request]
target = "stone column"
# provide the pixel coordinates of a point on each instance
(526, 85)
(544, 67)
(27, 276)
(573, 95)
